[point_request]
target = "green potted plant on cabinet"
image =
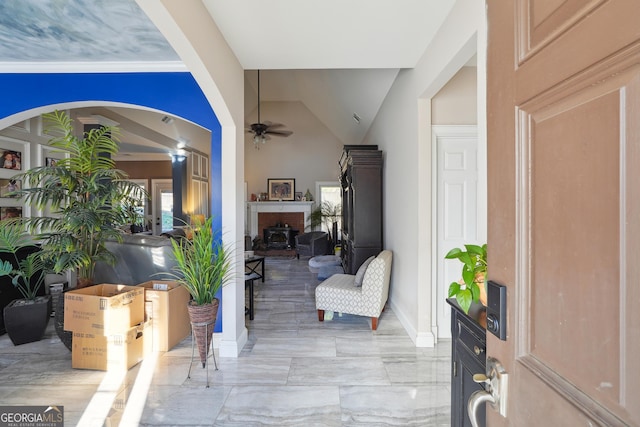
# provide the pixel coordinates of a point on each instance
(84, 200)
(203, 266)
(25, 318)
(472, 286)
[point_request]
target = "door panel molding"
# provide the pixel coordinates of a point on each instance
(579, 128)
(541, 22)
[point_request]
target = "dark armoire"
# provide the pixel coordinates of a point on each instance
(361, 182)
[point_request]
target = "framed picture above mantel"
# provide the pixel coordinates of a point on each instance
(281, 189)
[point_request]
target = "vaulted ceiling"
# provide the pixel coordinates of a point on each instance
(336, 57)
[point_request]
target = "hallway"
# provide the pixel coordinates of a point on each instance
(295, 371)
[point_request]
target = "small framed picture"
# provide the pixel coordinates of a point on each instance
(281, 188)
(8, 187)
(298, 196)
(11, 159)
(50, 161)
(7, 212)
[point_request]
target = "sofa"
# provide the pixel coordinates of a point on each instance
(340, 292)
(139, 258)
(312, 243)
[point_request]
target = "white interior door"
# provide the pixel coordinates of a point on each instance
(162, 205)
(456, 209)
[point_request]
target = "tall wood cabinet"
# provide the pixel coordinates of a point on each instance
(361, 182)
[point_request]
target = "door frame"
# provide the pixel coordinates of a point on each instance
(157, 184)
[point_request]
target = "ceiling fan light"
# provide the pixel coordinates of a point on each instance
(257, 139)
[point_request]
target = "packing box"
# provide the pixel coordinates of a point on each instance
(103, 309)
(112, 352)
(166, 305)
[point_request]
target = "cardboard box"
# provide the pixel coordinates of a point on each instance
(103, 309)
(167, 307)
(109, 352)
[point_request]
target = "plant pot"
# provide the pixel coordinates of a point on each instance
(65, 336)
(203, 320)
(483, 293)
(26, 320)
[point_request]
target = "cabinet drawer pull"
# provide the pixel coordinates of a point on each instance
(477, 350)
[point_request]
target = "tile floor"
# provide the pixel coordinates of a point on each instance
(295, 371)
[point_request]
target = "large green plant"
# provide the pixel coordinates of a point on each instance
(203, 262)
(85, 197)
(326, 214)
(474, 274)
(27, 274)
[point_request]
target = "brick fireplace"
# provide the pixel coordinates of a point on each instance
(262, 215)
(273, 219)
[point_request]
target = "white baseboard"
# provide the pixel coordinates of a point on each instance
(231, 348)
(425, 339)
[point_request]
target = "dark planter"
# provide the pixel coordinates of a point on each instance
(65, 336)
(26, 320)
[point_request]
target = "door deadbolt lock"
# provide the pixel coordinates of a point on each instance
(497, 309)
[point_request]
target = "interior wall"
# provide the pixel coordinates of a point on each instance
(159, 169)
(402, 131)
(456, 102)
(194, 36)
(310, 154)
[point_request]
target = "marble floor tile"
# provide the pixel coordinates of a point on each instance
(293, 371)
(281, 406)
(395, 406)
(338, 370)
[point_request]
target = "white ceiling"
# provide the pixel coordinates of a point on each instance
(337, 57)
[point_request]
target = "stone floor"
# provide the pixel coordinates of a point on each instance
(295, 371)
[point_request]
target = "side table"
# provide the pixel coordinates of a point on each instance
(252, 264)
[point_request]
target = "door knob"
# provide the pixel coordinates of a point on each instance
(478, 398)
(495, 392)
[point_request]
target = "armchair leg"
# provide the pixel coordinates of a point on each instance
(321, 315)
(374, 323)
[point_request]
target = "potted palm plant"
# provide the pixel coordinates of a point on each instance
(203, 266)
(326, 214)
(25, 318)
(472, 286)
(84, 198)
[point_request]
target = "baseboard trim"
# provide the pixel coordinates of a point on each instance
(229, 348)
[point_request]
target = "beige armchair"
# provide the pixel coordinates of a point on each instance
(339, 292)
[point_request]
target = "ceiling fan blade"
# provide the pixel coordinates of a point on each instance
(274, 125)
(279, 132)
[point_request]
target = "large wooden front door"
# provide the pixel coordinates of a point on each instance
(564, 208)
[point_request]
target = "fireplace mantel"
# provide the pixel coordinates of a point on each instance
(254, 208)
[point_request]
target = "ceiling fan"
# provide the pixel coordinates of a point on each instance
(261, 131)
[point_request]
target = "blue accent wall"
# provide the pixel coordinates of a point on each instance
(175, 93)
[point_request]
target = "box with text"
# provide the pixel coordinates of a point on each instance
(166, 305)
(103, 309)
(112, 352)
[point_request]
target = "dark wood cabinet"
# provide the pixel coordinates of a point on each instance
(468, 357)
(361, 182)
